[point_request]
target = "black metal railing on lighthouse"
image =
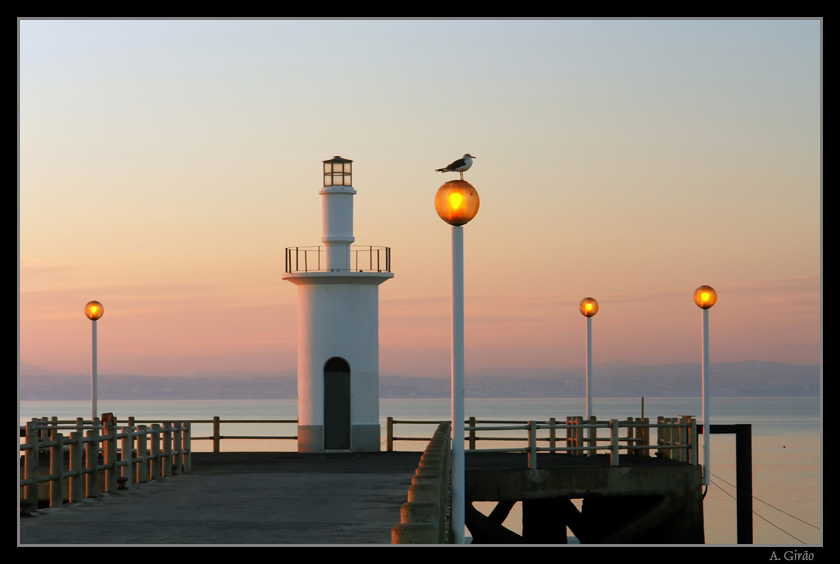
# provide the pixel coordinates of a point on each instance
(363, 258)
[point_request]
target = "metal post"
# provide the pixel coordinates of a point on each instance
(458, 509)
(706, 423)
(588, 367)
(743, 481)
(93, 411)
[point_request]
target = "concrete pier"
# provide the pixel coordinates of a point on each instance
(244, 498)
(644, 500)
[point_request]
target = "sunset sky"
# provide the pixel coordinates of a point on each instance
(165, 165)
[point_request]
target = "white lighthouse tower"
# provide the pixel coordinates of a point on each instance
(338, 325)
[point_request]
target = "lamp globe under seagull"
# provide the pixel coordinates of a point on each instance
(461, 165)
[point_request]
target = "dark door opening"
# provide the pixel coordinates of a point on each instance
(336, 404)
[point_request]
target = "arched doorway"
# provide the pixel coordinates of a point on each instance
(336, 404)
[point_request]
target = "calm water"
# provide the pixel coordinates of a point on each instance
(787, 448)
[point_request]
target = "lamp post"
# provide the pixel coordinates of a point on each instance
(588, 307)
(705, 297)
(456, 202)
(93, 311)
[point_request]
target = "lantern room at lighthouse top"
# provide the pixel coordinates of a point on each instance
(338, 172)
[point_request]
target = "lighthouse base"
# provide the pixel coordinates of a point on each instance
(363, 438)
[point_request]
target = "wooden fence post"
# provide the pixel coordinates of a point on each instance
(216, 433)
(155, 454)
(532, 445)
(142, 456)
(110, 456)
(56, 468)
(126, 457)
(660, 436)
(614, 442)
(30, 463)
(92, 462)
(570, 434)
(166, 459)
(552, 434)
(187, 458)
(695, 451)
(472, 433)
(389, 434)
(176, 447)
(593, 436)
(76, 467)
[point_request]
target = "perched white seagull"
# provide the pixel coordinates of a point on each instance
(461, 165)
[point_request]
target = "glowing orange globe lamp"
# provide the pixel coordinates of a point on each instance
(456, 202)
(94, 310)
(588, 307)
(705, 297)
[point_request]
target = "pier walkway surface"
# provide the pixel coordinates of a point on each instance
(244, 498)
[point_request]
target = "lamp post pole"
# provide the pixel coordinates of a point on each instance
(588, 367)
(93, 410)
(456, 202)
(706, 423)
(93, 311)
(458, 486)
(705, 297)
(589, 307)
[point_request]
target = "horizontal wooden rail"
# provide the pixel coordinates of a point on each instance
(676, 438)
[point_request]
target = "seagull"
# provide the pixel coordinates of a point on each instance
(460, 165)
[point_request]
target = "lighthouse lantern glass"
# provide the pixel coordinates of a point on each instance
(338, 172)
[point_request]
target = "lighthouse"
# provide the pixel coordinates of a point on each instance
(338, 325)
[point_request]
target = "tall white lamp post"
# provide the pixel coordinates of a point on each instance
(456, 202)
(705, 297)
(93, 311)
(588, 307)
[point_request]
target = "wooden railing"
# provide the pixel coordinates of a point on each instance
(125, 456)
(217, 435)
(676, 438)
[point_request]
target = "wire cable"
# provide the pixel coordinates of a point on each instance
(761, 516)
(768, 504)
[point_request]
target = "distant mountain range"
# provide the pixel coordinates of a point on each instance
(611, 379)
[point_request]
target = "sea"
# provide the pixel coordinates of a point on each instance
(786, 444)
